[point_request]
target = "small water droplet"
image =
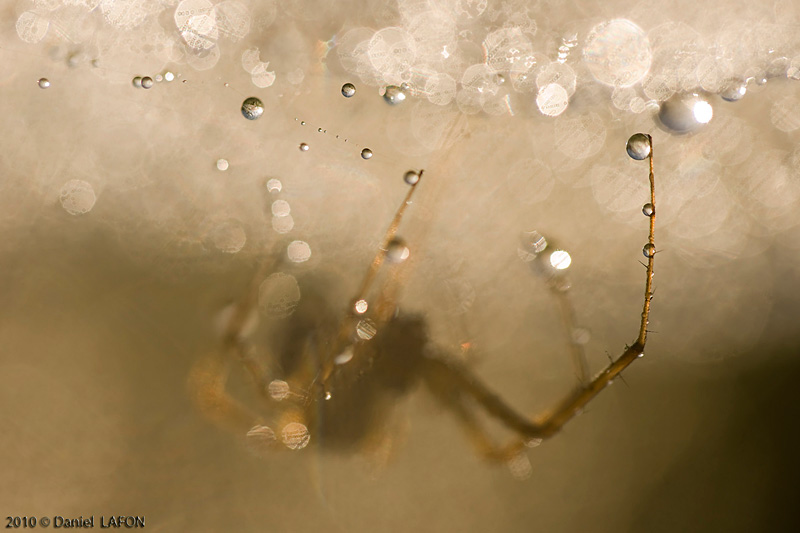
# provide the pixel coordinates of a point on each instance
(397, 251)
(366, 153)
(252, 108)
(302, 122)
(137, 82)
(222, 164)
(348, 90)
(44, 83)
(638, 146)
(328, 395)
(411, 177)
(365, 329)
(361, 306)
(649, 250)
(147, 82)
(648, 209)
(319, 130)
(394, 95)
(734, 92)
(304, 147)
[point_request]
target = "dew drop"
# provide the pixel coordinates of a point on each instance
(411, 177)
(303, 147)
(649, 250)
(348, 90)
(222, 164)
(685, 113)
(734, 92)
(638, 146)
(365, 329)
(137, 82)
(366, 153)
(252, 108)
(394, 95)
(397, 251)
(44, 83)
(648, 209)
(328, 395)
(147, 82)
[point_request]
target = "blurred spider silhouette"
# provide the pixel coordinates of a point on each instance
(337, 377)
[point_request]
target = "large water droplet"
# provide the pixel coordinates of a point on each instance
(394, 95)
(685, 113)
(397, 251)
(649, 250)
(137, 82)
(348, 90)
(648, 209)
(638, 146)
(252, 108)
(147, 82)
(411, 177)
(366, 153)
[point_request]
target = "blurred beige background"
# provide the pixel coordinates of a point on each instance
(105, 312)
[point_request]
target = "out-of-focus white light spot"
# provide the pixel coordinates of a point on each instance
(703, 112)
(560, 260)
(281, 208)
(283, 225)
(552, 100)
(274, 185)
(278, 390)
(618, 53)
(77, 197)
(298, 251)
(361, 306)
(222, 164)
(344, 357)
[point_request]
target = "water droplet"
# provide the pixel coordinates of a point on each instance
(319, 130)
(222, 164)
(365, 329)
(411, 177)
(734, 92)
(581, 336)
(649, 250)
(302, 122)
(44, 83)
(169, 76)
(397, 251)
(361, 306)
(560, 260)
(295, 436)
(685, 113)
(77, 197)
(274, 185)
(394, 95)
(303, 147)
(278, 390)
(328, 395)
(348, 90)
(638, 146)
(532, 243)
(137, 82)
(648, 209)
(252, 108)
(366, 153)
(147, 82)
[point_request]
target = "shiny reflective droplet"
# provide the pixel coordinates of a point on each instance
(281, 208)
(252, 108)
(169, 76)
(304, 147)
(44, 83)
(411, 177)
(302, 122)
(278, 390)
(638, 146)
(366, 153)
(345, 357)
(648, 209)
(560, 260)
(685, 113)
(397, 251)
(365, 329)
(348, 90)
(734, 92)
(77, 197)
(137, 82)
(531, 244)
(298, 251)
(580, 336)
(222, 164)
(147, 82)
(361, 306)
(328, 395)
(159, 78)
(649, 250)
(274, 185)
(394, 95)
(319, 130)
(295, 436)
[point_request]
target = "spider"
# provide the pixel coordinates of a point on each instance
(339, 375)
